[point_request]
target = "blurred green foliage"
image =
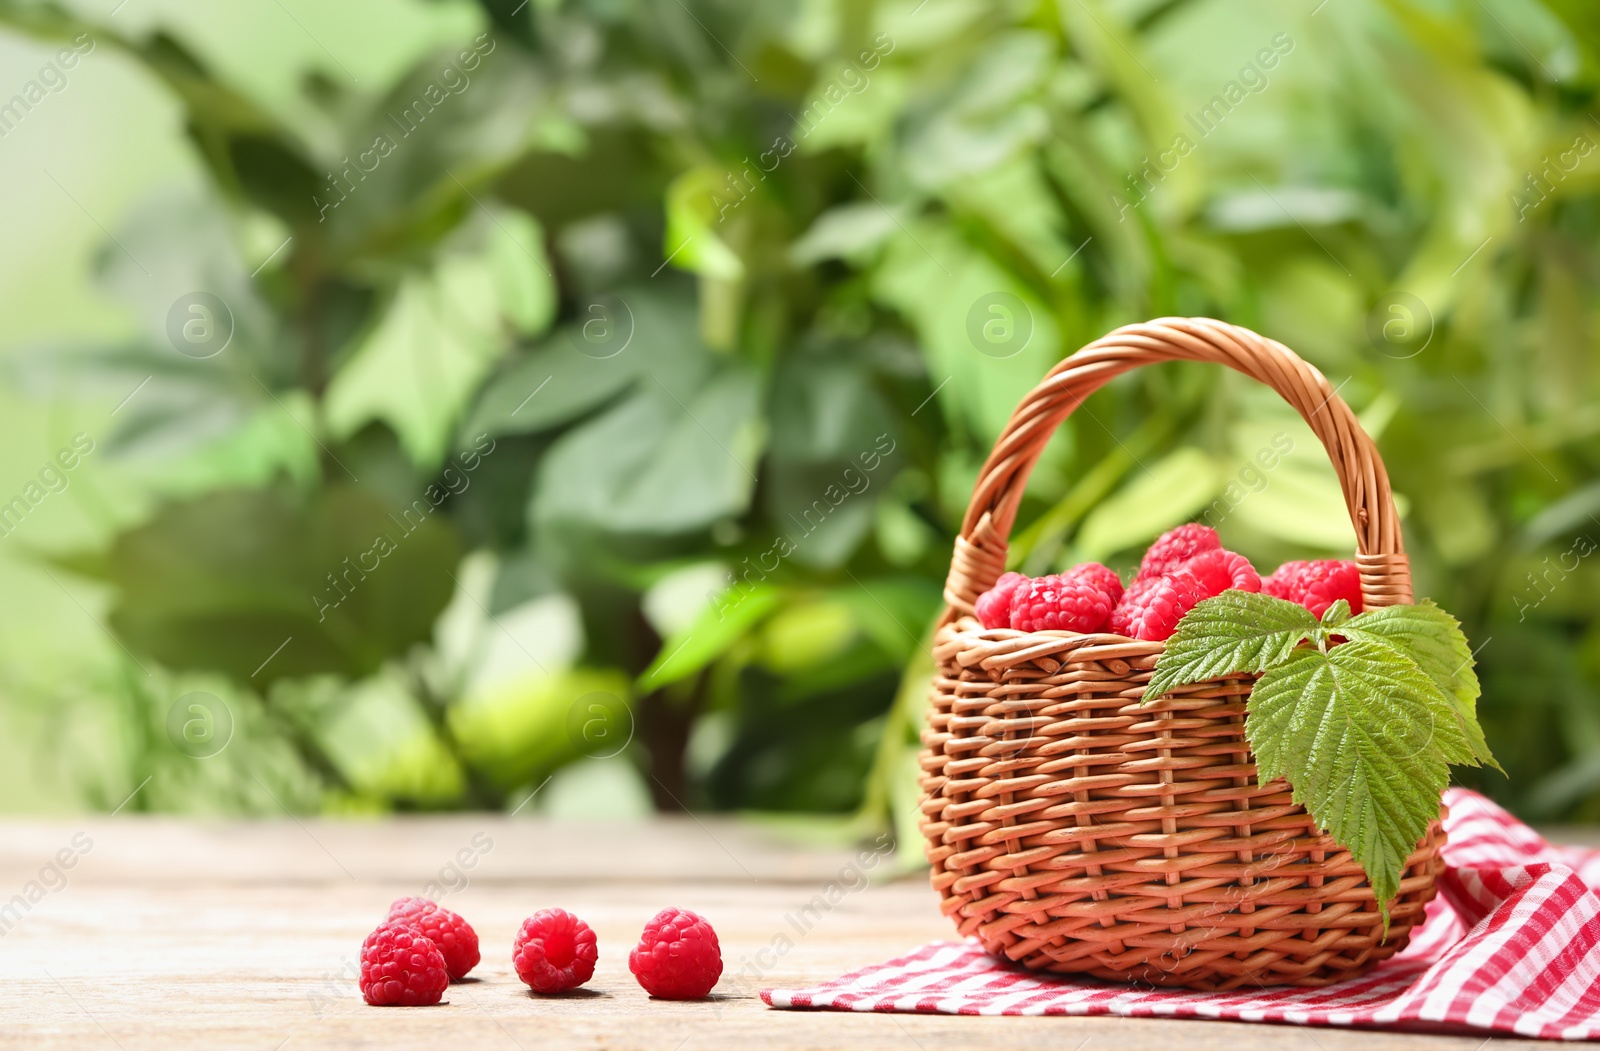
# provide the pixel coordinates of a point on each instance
(606, 386)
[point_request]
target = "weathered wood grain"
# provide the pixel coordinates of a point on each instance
(179, 934)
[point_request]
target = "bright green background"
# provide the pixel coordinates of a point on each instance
(982, 148)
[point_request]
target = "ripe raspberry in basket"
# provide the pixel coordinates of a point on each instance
(1165, 554)
(1175, 547)
(1098, 576)
(994, 606)
(1222, 570)
(1317, 585)
(1080, 599)
(1151, 608)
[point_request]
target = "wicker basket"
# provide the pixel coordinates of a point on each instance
(1072, 829)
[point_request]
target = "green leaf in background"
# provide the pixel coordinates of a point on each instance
(1365, 739)
(694, 222)
(1155, 499)
(1434, 640)
(519, 728)
(524, 285)
(635, 332)
(806, 636)
(730, 617)
(1238, 631)
(1460, 520)
(263, 585)
(662, 461)
(866, 117)
(895, 612)
(427, 150)
(944, 291)
(421, 362)
(847, 232)
(833, 455)
(267, 446)
(182, 240)
(1301, 505)
(421, 365)
(1038, 545)
(1017, 202)
(385, 746)
(549, 386)
(987, 116)
(187, 404)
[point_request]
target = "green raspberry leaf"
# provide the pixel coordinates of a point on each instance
(1236, 631)
(1364, 737)
(1332, 618)
(1432, 638)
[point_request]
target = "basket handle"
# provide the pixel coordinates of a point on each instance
(980, 550)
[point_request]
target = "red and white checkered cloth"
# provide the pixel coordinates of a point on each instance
(1511, 945)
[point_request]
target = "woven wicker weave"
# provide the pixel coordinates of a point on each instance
(1073, 830)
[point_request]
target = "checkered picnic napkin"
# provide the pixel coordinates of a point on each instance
(1511, 945)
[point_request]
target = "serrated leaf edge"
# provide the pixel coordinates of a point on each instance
(1274, 646)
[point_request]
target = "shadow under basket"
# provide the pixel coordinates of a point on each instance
(1073, 829)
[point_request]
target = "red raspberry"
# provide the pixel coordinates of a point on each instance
(1162, 605)
(1223, 570)
(555, 951)
(1134, 600)
(1175, 547)
(454, 937)
(1317, 585)
(1152, 608)
(994, 606)
(1101, 577)
(677, 957)
(401, 967)
(1073, 601)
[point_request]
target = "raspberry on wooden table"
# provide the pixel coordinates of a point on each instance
(401, 967)
(677, 957)
(554, 951)
(993, 607)
(1175, 547)
(1316, 585)
(453, 935)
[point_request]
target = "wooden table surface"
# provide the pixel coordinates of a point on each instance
(168, 933)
